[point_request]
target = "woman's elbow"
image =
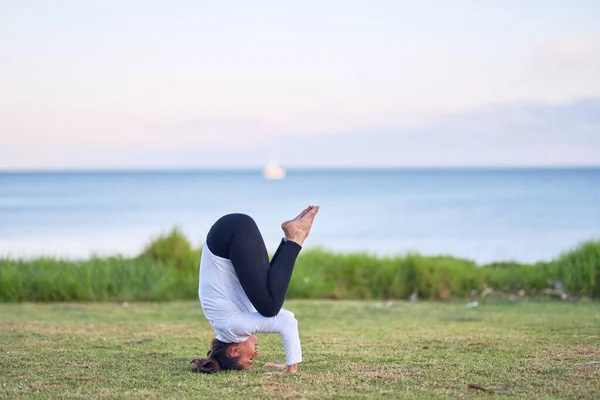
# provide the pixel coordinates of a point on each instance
(289, 318)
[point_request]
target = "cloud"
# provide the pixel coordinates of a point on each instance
(523, 135)
(53, 128)
(564, 69)
(230, 133)
(518, 134)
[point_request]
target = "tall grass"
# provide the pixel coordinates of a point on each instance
(167, 269)
(579, 269)
(106, 279)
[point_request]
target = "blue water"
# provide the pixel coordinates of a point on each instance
(484, 215)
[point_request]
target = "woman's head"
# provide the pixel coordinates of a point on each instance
(227, 356)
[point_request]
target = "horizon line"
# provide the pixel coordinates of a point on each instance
(315, 168)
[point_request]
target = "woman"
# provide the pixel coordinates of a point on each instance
(242, 293)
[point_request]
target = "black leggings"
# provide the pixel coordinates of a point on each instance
(236, 237)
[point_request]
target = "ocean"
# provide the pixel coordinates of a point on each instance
(486, 215)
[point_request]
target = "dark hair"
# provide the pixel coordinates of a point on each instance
(217, 359)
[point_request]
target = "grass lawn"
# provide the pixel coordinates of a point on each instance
(352, 349)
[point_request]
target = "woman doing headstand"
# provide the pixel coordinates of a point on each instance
(242, 293)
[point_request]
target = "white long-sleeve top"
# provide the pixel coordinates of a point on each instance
(232, 315)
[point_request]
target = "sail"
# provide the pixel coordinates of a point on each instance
(273, 171)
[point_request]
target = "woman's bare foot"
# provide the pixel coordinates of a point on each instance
(284, 224)
(297, 229)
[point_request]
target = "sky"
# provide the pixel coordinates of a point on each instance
(195, 84)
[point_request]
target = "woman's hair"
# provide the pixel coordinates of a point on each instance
(216, 359)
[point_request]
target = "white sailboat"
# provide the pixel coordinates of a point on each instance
(273, 170)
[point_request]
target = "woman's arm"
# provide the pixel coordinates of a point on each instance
(283, 323)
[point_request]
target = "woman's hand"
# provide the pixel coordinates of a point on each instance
(274, 365)
(290, 369)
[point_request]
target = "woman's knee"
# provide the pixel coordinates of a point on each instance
(268, 311)
(241, 221)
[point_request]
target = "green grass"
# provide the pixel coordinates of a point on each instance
(352, 349)
(167, 269)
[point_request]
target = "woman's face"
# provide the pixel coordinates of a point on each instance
(246, 351)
